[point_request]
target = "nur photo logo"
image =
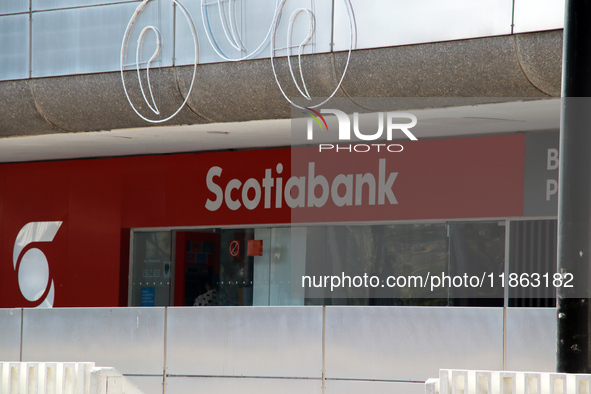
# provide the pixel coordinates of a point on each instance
(395, 125)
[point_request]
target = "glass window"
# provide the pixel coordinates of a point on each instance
(214, 267)
(236, 268)
(267, 265)
(379, 251)
(477, 249)
(282, 259)
(533, 251)
(152, 270)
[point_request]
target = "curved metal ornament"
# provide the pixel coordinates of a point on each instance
(304, 90)
(124, 46)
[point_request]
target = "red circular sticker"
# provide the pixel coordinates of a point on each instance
(234, 248)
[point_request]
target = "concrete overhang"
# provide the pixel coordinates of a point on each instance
(458, 121)
(60, 111)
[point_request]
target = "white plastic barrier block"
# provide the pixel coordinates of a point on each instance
(507, 382)
(432, 386)
(582, 384)
(62, 378)
(483, 382)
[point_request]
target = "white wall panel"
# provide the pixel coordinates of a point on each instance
(357, 386)
(10, 337)
(230, 349)
(253, 20)
(148, 384)
(185, 385)
(129, 339)
(385, 23)
(411, 344)
(535, 15)
(14, 6)
(531, 339)
(54, 4)
(245, 341)
(14, 46)
(84, 36)
(88, 40)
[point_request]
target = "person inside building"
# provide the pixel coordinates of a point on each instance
(209, 298)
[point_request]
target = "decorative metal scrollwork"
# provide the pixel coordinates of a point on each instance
(138, 62)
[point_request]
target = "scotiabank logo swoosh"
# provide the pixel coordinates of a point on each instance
(32, 266)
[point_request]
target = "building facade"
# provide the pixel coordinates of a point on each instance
(157, 158)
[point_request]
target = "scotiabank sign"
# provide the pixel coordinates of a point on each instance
(91, 204)
(430, 179)
(301, 192)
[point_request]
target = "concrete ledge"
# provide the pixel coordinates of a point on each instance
(524, 65)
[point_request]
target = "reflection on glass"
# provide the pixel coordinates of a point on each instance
(151, 273)
(382, 251)
(283, 260)
(533, 258)
(218, 262)
(236, 268)
(477, 249)
(198, 259)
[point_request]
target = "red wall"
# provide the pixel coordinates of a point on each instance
(96, 199)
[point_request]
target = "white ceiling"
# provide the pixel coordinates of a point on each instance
(432, 123)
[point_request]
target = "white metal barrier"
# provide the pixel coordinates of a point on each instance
(507, 382)
(62, 378)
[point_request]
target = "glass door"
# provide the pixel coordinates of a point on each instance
(151, 269)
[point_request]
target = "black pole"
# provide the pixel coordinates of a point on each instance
(574, 211)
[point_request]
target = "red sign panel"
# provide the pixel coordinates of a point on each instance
(255, 247)
(430, 179)
(96, 199)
